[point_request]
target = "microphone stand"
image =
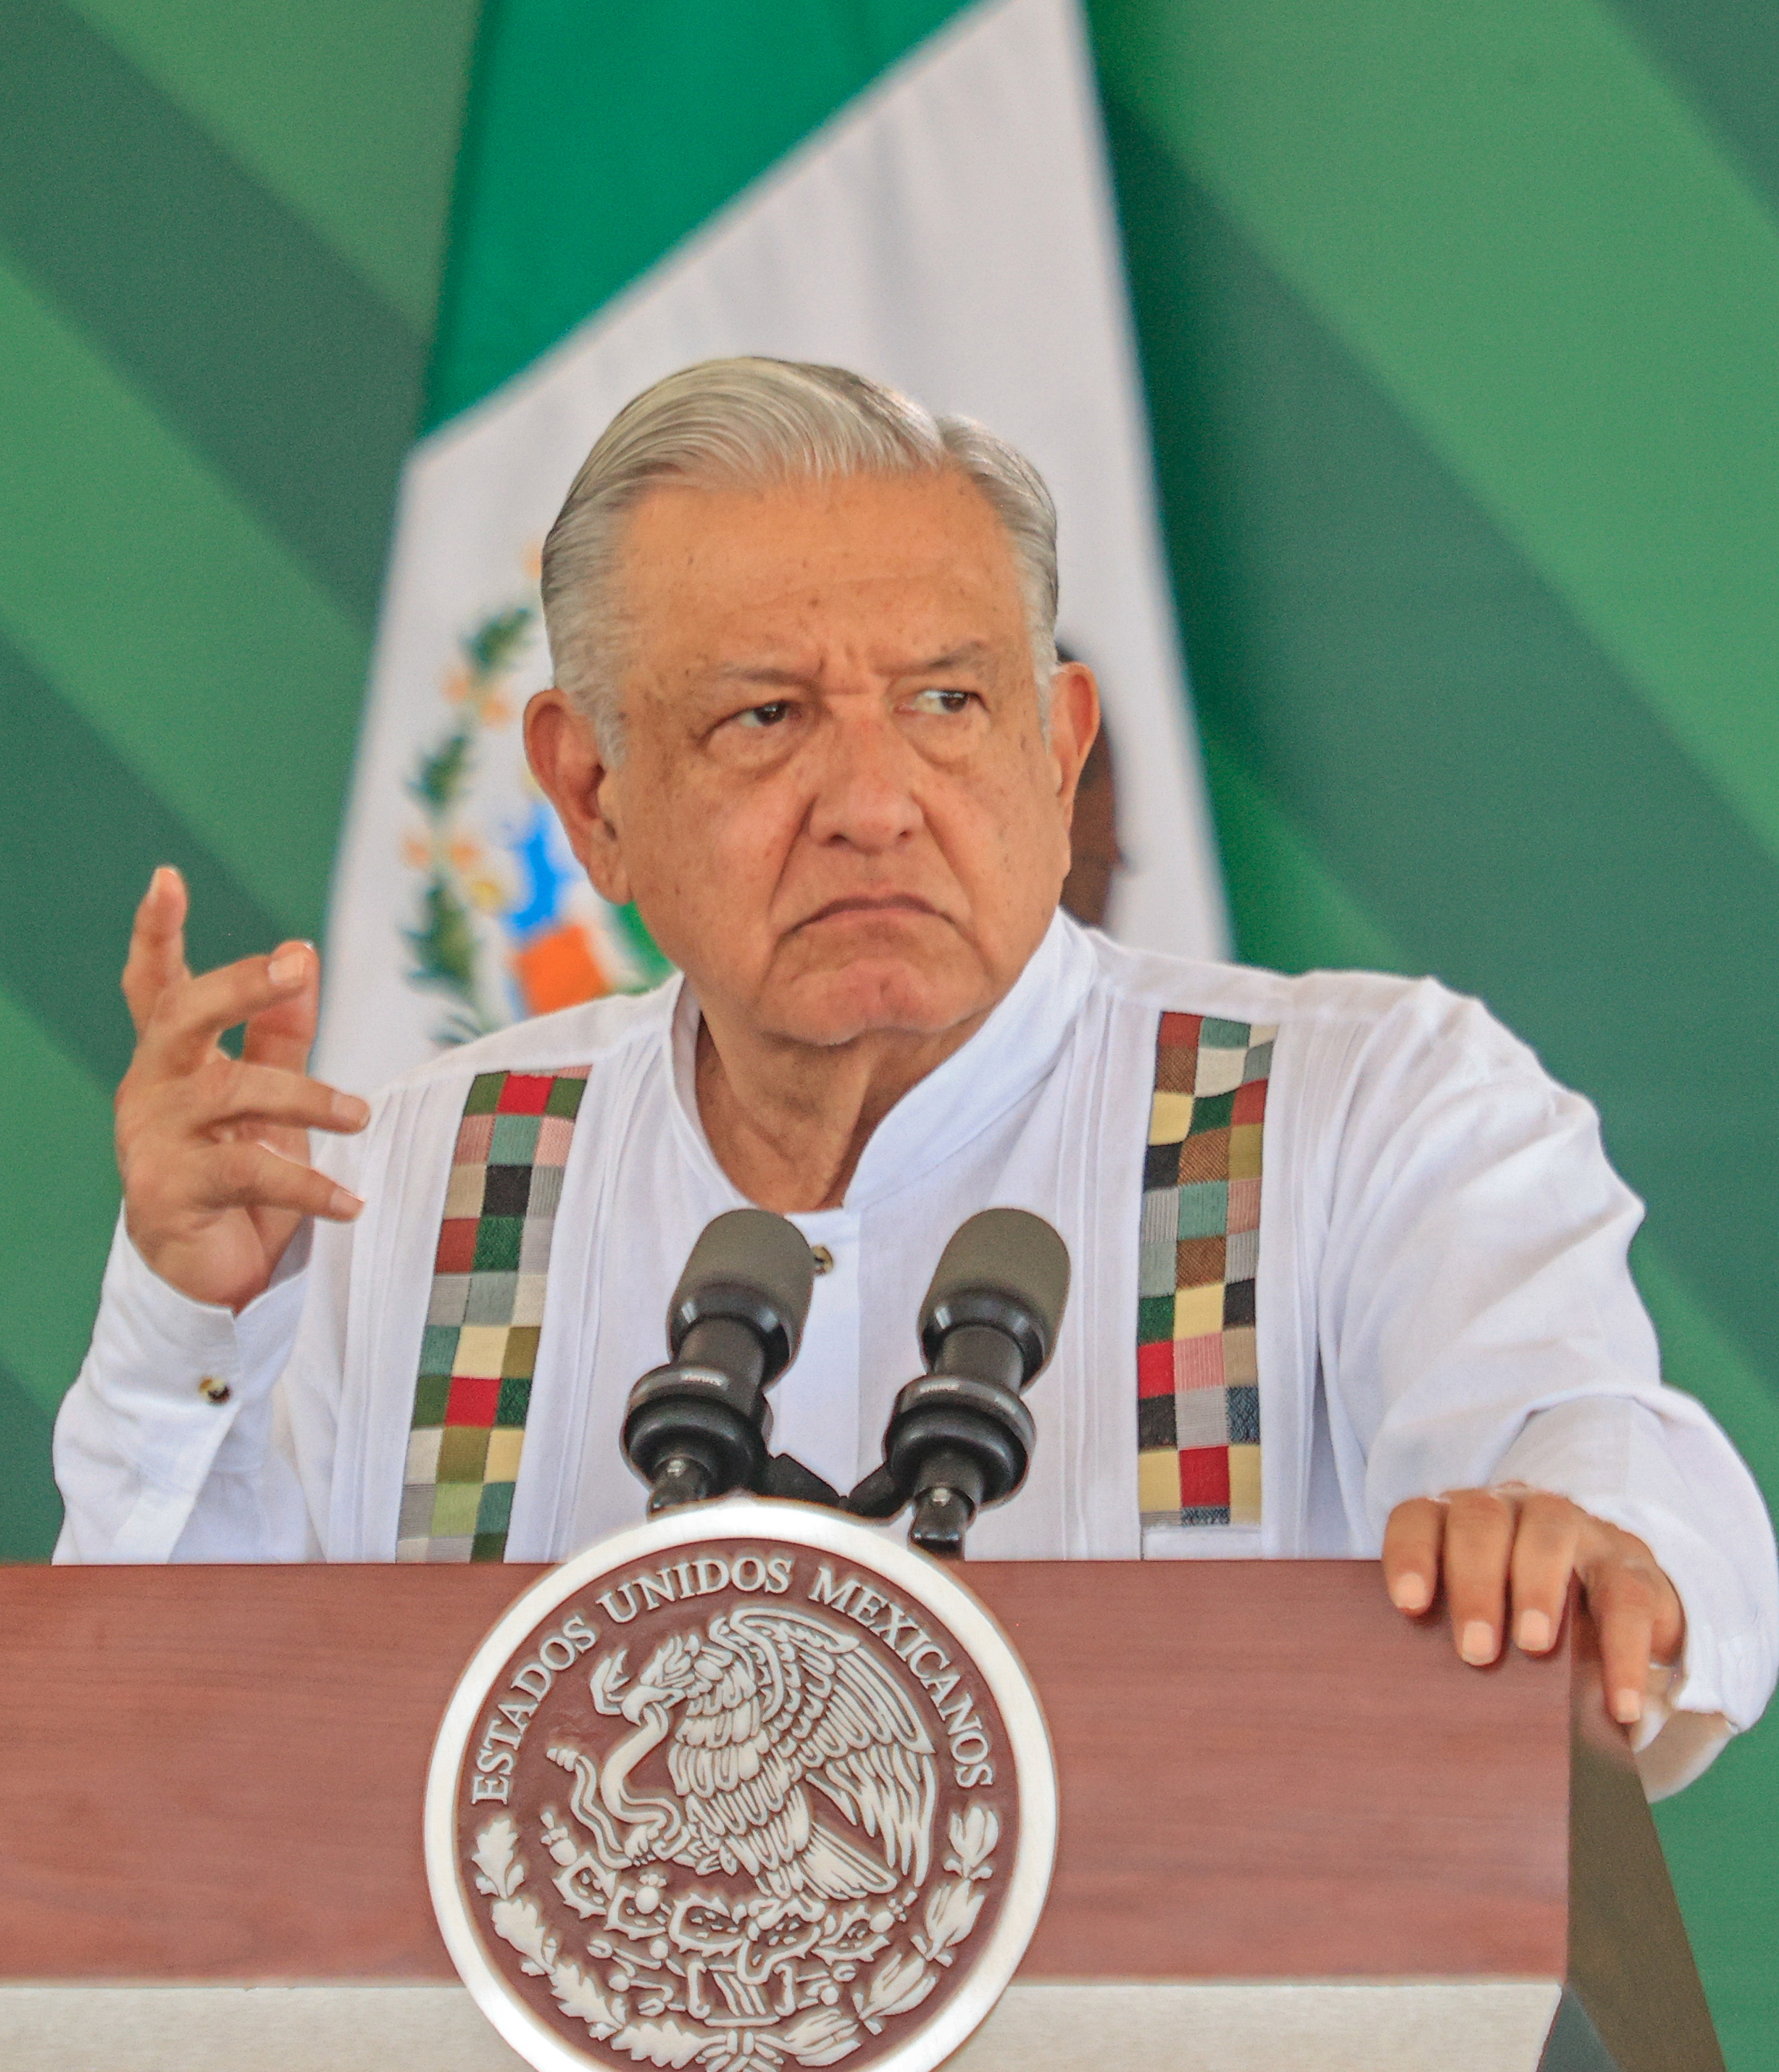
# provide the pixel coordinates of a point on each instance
(959, 1437)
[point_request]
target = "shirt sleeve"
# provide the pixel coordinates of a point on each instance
(1480, 1325)
(165, 1445)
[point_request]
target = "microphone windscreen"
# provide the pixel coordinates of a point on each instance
(749, 1250)
(997, 1255)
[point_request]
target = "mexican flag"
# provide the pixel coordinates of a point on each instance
(915, 189)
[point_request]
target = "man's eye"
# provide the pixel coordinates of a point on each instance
(936, 700)
(768, 715)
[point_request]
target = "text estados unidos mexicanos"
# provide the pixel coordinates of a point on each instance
(701, 1575)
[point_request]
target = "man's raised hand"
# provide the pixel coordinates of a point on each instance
(1513, 1550)
(214, 1151)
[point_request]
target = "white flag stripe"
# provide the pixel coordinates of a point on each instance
(951, 231)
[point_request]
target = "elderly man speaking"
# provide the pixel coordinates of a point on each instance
(1350, 1270)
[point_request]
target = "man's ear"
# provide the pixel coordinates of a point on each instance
(572, 773)
(1074, 721)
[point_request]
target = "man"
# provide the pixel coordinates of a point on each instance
(810, 716)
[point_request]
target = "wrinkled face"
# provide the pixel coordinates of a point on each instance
(837, 810)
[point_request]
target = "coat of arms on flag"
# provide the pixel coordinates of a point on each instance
(505, 923)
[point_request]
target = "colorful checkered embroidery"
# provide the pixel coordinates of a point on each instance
(480, 1348)
(1197, 1385)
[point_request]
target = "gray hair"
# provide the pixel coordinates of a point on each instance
(746, 423)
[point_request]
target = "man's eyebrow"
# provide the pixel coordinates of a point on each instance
(970, 656)
(741, 672)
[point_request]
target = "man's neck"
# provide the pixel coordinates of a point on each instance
(789, 1122)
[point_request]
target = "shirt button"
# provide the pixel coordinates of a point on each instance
(213, 1391)
(823, 1257)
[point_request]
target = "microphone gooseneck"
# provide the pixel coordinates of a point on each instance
(700, 1426)
(960, 1438)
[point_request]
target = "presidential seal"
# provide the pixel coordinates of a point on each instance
(749, 1787)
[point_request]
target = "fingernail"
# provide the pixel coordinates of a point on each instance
(349, 1110)
(1627, 1706)
(287, 969)
(346, 1204)
(1535, 1632)
(1410, 1594)
(1477, 1643)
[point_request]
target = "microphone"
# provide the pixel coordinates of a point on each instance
(699, 1426)
(960, 1438)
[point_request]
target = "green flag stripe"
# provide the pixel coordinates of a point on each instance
(57, 1210)
(564, 197)
(334, 105)
(83, 833)
(1599, 373)
(166, 614)
(1723, 54)
(1394, 673)
(297, 384)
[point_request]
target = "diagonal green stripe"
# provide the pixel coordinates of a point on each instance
(30, 1512)
(297, 383)
(349, 112)
(57, 1208)
(83, 831)
(1289, 912)
(161, 610)
(1495, 794)
(1718, 1835)
(1599, 373)
(1723, 54)
(599, 137)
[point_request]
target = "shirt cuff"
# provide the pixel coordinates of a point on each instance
(170, 1378)
(1668, 1474)
(187, 1350)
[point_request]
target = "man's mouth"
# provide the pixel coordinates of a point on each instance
(899, 902)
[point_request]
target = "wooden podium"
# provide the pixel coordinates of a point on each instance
(1295, 1831)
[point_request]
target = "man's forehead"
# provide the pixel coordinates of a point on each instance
(802, 661)
(929, 531)
(786, 584)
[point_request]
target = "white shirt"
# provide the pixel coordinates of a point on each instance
(1443, 1301)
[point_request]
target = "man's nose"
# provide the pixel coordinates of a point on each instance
(864, 794)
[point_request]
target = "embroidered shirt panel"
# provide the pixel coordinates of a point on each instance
(1197, 1382)
(479, 1350)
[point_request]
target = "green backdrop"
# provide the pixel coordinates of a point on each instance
(1459, 325)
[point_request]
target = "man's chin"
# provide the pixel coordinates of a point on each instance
(877, 997)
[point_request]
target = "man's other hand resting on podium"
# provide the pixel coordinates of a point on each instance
(1350, 1270)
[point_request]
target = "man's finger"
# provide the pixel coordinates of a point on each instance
(157, 945)
(1412, 1553)
(283, 1034)
(1544, 1558)
(246, 1093)
(1479, 1540)
(1622, 1600)
(181, 1031)
(247, 1175)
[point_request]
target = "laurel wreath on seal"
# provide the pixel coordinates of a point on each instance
(899, 1978)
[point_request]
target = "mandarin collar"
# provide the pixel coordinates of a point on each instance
(1007, 1056)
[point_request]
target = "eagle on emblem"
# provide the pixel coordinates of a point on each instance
(776, 1721)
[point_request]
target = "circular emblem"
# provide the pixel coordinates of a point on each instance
(747, 1787)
